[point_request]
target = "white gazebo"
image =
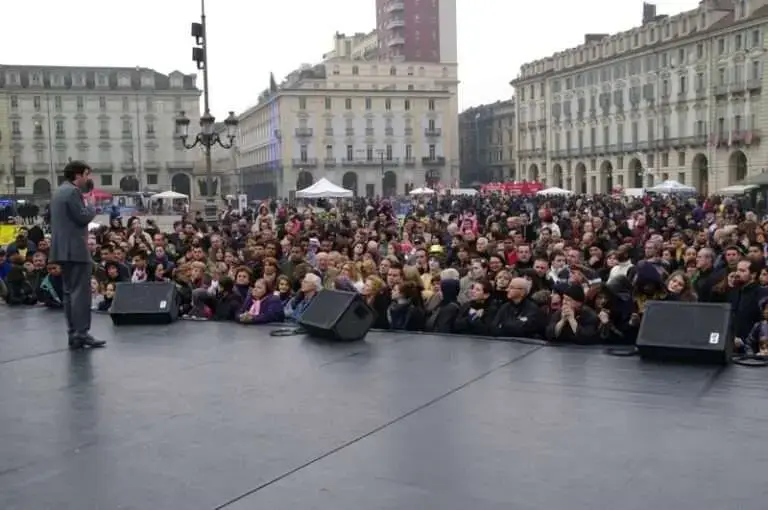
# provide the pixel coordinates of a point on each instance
(324, 189)
(554, 191)
(422, 191)
(169, 195)
(672, 187)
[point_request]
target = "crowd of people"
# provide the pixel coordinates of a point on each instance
(578, 269)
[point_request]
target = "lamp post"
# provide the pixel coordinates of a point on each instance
(207, 137)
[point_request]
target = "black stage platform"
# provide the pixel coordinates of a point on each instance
(203, 416)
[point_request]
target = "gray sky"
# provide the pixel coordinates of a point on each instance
(250, 38)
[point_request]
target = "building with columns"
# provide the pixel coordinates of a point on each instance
(678, 97)
(486, 143)
(119, 120)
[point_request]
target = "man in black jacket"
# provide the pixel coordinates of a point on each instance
(519, 316)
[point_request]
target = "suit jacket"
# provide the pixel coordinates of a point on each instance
(69, 225)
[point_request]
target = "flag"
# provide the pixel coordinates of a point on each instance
(272, 83)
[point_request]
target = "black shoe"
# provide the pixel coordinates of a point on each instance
(75, 343)
(89, 341)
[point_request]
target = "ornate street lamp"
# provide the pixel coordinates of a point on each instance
(207, 137)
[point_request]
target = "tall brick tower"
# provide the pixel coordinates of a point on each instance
(417, 30)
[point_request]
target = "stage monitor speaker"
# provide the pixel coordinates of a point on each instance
(144, 303)
(687, 332)
(337, 315)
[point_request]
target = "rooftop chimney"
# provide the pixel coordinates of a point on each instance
(649, 13)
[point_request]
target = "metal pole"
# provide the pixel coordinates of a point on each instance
(54, 181)
(207, 145)
(138, 144)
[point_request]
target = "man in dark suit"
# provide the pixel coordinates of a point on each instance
(71, 212)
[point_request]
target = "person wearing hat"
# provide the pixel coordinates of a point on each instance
(574, 322)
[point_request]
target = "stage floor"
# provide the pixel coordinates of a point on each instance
(204, 416)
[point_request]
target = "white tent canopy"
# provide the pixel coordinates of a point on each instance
(324, 189)
(554, 191)
(736, 189)
(168, 195)
(422, 191)
(672, 187)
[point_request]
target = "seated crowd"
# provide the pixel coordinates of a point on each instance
(578, 270)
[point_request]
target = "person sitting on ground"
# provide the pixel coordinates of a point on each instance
(18, 289)
(519, 317)
(311, 285)
(573, 322)
(262, 306)
(51, 290)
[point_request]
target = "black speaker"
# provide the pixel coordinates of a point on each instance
(144, 303)
(687, 332)
(337, 315)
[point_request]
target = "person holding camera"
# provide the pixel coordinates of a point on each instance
(72, 210)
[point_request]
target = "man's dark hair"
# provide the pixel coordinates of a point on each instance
(75, 168)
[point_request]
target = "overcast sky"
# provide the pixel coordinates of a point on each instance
(251, 38)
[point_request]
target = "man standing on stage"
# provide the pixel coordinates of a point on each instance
(71, 212)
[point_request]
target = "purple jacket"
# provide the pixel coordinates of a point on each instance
(271, 310)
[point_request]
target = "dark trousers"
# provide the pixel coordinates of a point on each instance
(76, 277)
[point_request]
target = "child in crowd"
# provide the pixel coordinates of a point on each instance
(109, 296)
(51, 291)
(97, 294)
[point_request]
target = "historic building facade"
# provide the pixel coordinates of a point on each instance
(120, 120)
(375, 127)
(679, 97)
(487, 149)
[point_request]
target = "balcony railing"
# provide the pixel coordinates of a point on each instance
(82, 134)
(328, 131)
(394, 6)
(16, 135)
(39, 135)
(348, 162)
(395, 23)
(127, 134)
(396, 41)
(303, 132)
(128, 166)
(369, 132)
(433, 132)
(755, 84)
(408, 131)
(436, 161)
(41, 167)
(305, 162)
(389, 131)
(349, 131)
(104, 134)
(329, 162)
(409, 161)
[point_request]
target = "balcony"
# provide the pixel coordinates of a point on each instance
(433, 132)
(751, 137)
(103, 166)
(394, 23)
(701, 93)
(433, 162)
(695, 141)
(41, 168)
(61, 135)
(737, 88)
(16, 135)
(408, 131)
(389, 131)
(755, 84)
(543, 122)
(127, 134)
(394, 6)
(104, 134)
(369, 132)
(179, 165)
(128, 166)
(329, 162)
(39, 135)
(151, 165)
(328, 131)
(303, 132)
(720, 90)
(348, 162)
(409, 162)
(150, 135)
(396, 41)
(349, 132)
(304, 162)
(664, 99)
(82, 134)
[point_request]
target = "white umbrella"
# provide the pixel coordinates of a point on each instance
(422, 191)
(554, 191)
